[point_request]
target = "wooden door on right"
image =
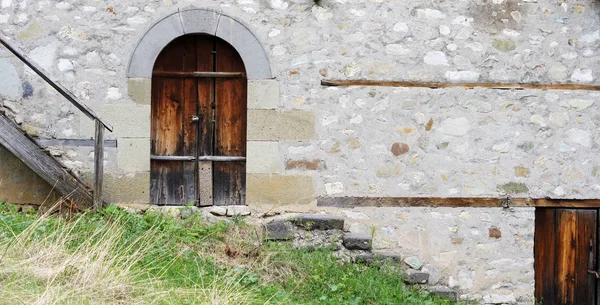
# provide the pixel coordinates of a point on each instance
(566, 256)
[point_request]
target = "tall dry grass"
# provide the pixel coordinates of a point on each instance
(55, 263)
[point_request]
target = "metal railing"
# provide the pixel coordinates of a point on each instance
(100, 124)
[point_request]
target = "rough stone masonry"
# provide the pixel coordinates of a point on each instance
(307, 141)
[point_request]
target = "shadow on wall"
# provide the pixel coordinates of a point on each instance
(19, 184)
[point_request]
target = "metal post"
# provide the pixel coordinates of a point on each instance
(98, 164)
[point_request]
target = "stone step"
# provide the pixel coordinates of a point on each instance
(279, 230)
(357, 241)
(416, 277)
(318, 222)
(443, 292)
(369, 258)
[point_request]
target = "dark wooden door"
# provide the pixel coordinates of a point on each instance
(198, 132)
(566, 256)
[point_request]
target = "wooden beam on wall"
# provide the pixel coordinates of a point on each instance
(438, 85)
(486, 202)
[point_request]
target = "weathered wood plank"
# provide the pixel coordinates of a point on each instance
(167, 114)
(98, 165)
(585, 239)
(44, 165)
(62, 90)
(199, 158)
(439, 85)
(545, 255)
(197, 74)
(190, 122)
(229, 180)
(349, 202)
(73, 142)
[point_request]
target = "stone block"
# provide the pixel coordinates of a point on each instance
(279, 230)
(133, 154)
(199, 21)
(364, 258)
(10, 86)
(243, 40)
(130, 188)
(139, 90)
(272, 125)
(218, 211)
(263, 94)
(263, 157)
(434, 273)
(128, 120)
(413, 262)
(148, 48)
(388, 257)
(319, 222)
(240, 210)
(413, 278)
(279, 189)
(443, 292)
(357, 242)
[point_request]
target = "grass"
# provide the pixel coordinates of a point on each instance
(114, 257)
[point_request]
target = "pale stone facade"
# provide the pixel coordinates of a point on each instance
(307, 141)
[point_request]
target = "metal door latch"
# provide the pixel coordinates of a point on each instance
(194, 118)
(595, 273)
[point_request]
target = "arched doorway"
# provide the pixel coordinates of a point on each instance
(198, 129)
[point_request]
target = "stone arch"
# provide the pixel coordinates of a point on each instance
(197, 21)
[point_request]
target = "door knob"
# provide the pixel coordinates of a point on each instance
(194, 118)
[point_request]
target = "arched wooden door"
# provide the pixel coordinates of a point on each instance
(198, 137)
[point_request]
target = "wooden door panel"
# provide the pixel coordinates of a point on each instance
(173, 100)
(229, 181)
(545, 226)
(205, 91)
(565, 249)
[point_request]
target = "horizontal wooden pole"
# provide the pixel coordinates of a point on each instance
(198, 74)
(73, 142)
(487, 202)
(200, 158)
(437, 85)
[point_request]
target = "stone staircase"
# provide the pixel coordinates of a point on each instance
(314, 231)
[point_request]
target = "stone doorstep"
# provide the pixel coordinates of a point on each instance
(318, 222)
(357, 241)
(230, 210)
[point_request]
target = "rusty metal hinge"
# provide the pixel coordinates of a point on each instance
(506, 203)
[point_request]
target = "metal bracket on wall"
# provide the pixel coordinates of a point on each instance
(73, 142)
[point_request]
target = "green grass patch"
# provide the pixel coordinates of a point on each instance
(116, 257)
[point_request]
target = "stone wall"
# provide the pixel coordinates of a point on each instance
(306, 141)
(364, 141)
(485, 253)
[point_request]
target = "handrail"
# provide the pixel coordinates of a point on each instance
(62, 90)
(100, 124)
